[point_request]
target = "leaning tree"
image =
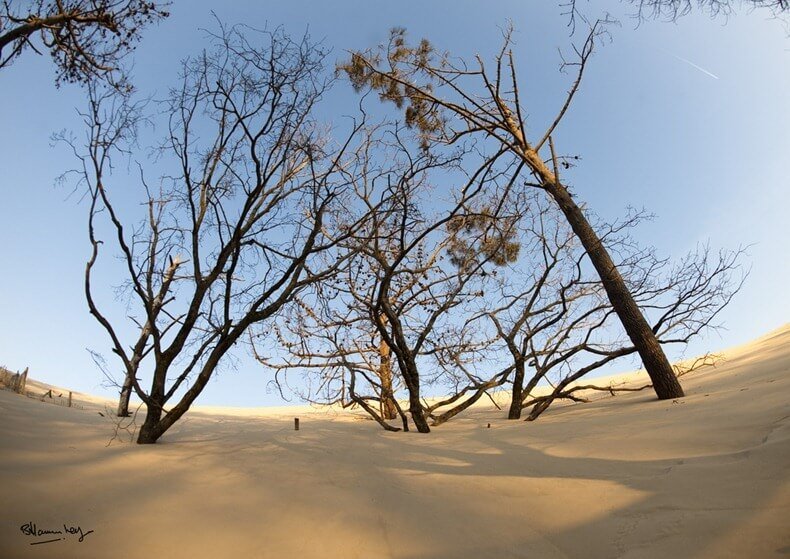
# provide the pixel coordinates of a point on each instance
(233, 228)
(552, 318)
(446, 100)
(87, 39)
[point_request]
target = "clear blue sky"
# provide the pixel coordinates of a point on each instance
(689, 120)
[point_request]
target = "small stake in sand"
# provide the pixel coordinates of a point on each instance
(296, 423)
(69, 398)
(19, 381)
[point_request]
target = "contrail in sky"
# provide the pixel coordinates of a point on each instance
(690, 63)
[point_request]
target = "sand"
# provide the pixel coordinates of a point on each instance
(627, 476)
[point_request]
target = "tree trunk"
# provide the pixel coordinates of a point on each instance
(412, 379)
(662, 375)
(516, 397)
(155, 425)
(665, 383)
(388, 408)
(126, 392)
(418, 416)
(152, 428)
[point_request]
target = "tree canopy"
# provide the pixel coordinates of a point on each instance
(87, 39)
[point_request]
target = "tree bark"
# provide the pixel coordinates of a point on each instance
(412, 379)
(418, 415)
(517, 393)
(388, 409)
(665, 382)
(151, 429)
(662, 375)
(126, 392)
(155, 425)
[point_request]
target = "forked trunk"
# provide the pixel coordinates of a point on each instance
(152, 428)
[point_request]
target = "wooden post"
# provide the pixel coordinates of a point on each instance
(69, 398)
(22, 382)
(296, 423)
(18, 382)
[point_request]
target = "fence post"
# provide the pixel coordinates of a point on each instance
(296, 423)
(69, 398)
(20, 387)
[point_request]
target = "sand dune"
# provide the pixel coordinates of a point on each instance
(629, 476)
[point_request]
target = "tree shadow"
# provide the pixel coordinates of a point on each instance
(623, 477)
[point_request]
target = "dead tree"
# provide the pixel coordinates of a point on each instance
(331, 341)
(682, 301)
(87, 39)
(404, 288)
(324, 335)
(674, 9)
(554, 318)
(446, 101)
(235, 227)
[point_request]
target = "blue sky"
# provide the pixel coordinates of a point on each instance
(688, 120)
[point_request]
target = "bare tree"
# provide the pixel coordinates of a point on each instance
(554, 317)
(406, 289)
(446, 100)
(234, 229)
(324, 330)
(341, 357)
(673, 9)
(86, 38)
(684, 302)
